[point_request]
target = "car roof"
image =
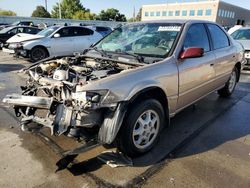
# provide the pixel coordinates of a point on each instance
(181, 21)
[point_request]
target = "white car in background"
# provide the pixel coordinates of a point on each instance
(53, 41)
(242, 35)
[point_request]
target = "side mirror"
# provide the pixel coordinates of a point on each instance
(57, 35)
(192, 53)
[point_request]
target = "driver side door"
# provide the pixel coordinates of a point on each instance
(196, 75)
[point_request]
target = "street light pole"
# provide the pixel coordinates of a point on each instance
(46, 7)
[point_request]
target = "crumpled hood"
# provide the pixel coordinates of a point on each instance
(22, 37)
(245, 43)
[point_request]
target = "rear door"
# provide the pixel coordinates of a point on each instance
(225, 54)
(83, 38)
(63, 45)
(196, 74)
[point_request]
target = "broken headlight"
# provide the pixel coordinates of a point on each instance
(97, 98)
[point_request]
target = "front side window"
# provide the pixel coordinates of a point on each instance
(66, 32)
(148, 39)
(219, 38)
(13, 31)
(197, 37)
(241, 34)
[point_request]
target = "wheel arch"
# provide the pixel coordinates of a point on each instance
(154, 92)
(41, 46)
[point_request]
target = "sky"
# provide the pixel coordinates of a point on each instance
(26, 7)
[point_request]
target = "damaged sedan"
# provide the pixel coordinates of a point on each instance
(124, 90)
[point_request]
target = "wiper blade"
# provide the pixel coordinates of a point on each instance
(139, 58)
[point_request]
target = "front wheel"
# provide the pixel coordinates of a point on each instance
(229, 87)
(38, 53)
(141, 128)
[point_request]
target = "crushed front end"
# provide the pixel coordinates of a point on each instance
(55, 97)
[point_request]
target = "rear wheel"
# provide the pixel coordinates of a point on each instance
(141, 128)
(38, 53)
(229, 87)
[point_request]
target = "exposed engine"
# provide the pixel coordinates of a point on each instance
(54, 96)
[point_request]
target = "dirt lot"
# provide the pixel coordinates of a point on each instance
(207, 145)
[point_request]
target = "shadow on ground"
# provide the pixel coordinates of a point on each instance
(10, 67)
(187, 125)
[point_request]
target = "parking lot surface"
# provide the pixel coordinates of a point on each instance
(207, 145)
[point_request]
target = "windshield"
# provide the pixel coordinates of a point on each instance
(241, 34)
(148, 39)
(47, 32)
(5, 30)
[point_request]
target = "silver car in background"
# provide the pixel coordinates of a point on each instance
(125, 89)
(54, 41)
(242, 35)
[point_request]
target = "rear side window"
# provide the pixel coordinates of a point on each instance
(197, 37)
(79, 31)
(219, 38)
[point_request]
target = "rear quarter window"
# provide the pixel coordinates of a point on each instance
(218, 36)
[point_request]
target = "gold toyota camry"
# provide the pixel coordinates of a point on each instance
(125, 88)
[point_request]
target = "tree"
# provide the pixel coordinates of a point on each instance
(111, 14)
(7, 13)
(138, 17)
(69, 9)
(81, 15)
(41, 12)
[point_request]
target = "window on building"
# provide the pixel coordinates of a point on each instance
(197, 37)
(158, 13)
(200, 13)
(219, 13)
(222, 13)
(226, 12)
(164, 13)
(152, 13)
(177, 13)
(233, 14)
(170, 13)
(219, 38)
(184, 13)
(146, 14)
(192, 13)
(208, 12)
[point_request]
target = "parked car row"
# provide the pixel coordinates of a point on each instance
(124, 89)
(30, 42)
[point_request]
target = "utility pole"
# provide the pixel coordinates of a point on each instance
(46, 7)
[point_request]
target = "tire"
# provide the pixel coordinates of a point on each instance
(137, 135)
(229, 87)
(38, 53)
